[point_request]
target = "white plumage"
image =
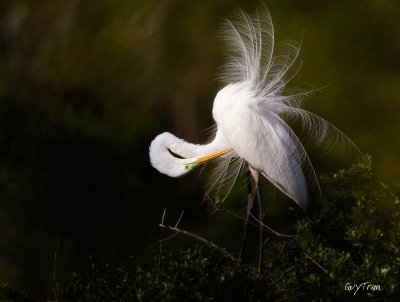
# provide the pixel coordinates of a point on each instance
(250, 114)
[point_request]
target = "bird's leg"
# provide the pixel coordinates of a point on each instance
(261, 224)
(261, 214)
(250, 198)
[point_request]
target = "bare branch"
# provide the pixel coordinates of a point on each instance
(265, 241)
(163, 215)
(179, 220)
(169, 237)
(286, 271)
(55, 271)
(195, 236)
(315, 262)
(291, 298)
(271, 229)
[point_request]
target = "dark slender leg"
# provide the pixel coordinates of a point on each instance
(261, 222)
(246, 222)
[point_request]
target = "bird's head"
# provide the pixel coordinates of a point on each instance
(175, 157)
(164, 159)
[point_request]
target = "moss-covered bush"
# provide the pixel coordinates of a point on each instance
(347, 248)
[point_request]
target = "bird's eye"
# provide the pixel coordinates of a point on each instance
(189, 166)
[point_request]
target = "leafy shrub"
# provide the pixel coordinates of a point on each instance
(350, 237)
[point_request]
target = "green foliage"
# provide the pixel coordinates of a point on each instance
(350, 236)
(13, 294)
(353, 232)
(98, 283)
(197, 275)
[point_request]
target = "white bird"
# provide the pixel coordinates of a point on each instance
(251, 113)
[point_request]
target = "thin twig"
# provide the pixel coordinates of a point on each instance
(308, 256)
(244, 237)
(283, 246)
(176, 225)
(110, 291)
(55, 261)
(202, 239)
(315, 262)
(55, 271)
(163, 215)
(290, 298)
(159, 260)
(272, 230)
(235, 215)
(265, 241)
(179, 220)
(286, 271)
(130, 289)
(169, 237)
(291, 236)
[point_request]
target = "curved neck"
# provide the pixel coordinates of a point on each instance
(175, 157)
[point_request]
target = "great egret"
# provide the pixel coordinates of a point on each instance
(251, 113)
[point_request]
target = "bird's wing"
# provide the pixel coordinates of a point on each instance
(282, 162)
(270, 146)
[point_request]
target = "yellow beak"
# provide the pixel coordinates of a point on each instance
(206, 158)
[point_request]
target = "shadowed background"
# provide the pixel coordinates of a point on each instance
(85, 86)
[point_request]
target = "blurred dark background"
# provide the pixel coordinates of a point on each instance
(86, 85)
